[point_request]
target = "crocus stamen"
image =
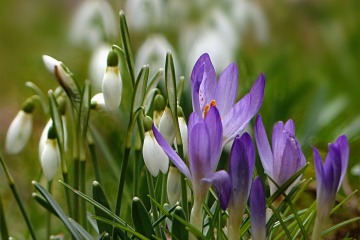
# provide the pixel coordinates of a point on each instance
(208, 106)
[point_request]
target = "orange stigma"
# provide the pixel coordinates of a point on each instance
(208, 106)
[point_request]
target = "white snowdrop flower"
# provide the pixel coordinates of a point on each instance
(62, 75)
(144, 14)
(153, 52)
(166, 126)
(19, 132)
(112, 82)
(184, 135)
(98, 102)
(93, 23)
(50, 157)
(97, 66)
(154, 156)
(173, 186)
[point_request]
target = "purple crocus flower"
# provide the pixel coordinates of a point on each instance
(206, 92)
(204, 143)
(329, 177)
(241, 169)
(258, 210)
(285, 158)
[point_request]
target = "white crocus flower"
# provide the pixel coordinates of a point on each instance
(112, 83)
(154, 156)
(173, 186)
(50, 158)
(19, 132)
(93, 23)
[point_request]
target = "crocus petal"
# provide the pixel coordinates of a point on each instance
(226, 89)
(334, 156)
(278, 142)
(213, 123)
(258, 210)
(263, 146)
(241, 169)
(176, 160)
(343, 145)
(236, 120)
(203, 83)
(199, 152)
(290, 127)
(221, 182)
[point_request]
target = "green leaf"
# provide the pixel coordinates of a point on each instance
(42, 97)
(170, 82)
(102, 236)
(57, 121)
(191, 228)
(100, 197)
(84, 118)
(3, 227)
(57, 209)
(340, 225)
(44, 203)
(141, 219)
(178, 229)
(127, 46)
(140, 88)
(81, 230)
(180, 88)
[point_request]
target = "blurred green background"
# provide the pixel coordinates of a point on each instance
(310, 57)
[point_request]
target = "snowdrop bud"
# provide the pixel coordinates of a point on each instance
(154, 156)
(173, 186)
(20, 129)
(112, 83)
(98, 102)
(50, 157)
(166, 126)
(62, 75)
(184, 135)
(147, 123)
(159, 106)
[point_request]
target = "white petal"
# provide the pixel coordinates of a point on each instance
(149, 155)
(97, 67)
(99, 100)
(173, 186)
(44, 136)
(19, 132)
(184, 135)
(112, 88)
(50, 63)
(166, 126)
(50, 159)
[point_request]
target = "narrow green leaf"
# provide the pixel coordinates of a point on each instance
(84, 118)
(343, 201)
(81, 230)
(44, 203)
(42, 97)
(178, 229)
(170, 83)
(57, 209)
(127, 46)
(102, 236)
(340, 225)
(180, 88)
(140, 88)
(100, 197)
(95, 203)
(191, 228)
(57, 121)
(141, 219)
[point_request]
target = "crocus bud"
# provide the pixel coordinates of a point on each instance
(50, 157)
(20, 129)
(112, 83)
(166, 126)
(154, 156)
(173, 187)
(159, 106)
(98, 102)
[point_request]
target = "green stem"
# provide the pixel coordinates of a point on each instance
(153, 206)
(48, 226)
(95, 163)
(18, 199)
(68, 194)
(82, 189)
(196, 217)
(3, 227)
(76, 186)
(122, 180)
(184, 201)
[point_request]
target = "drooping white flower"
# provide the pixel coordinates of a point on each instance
(184, 135)
(154, 156)
(98, 102)
(97, 66)
(19, 132)
(93, 23)
(173, 186)
(50, 157)
(166, 126)
(112, 83)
